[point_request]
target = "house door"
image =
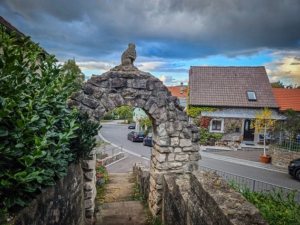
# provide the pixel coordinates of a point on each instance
(248, 131)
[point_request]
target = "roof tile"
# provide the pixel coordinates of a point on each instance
(175, 91)
(287, 98)
(228, 86)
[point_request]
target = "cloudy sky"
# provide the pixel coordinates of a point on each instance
(170, 35)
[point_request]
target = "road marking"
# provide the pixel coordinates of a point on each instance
(123, 149)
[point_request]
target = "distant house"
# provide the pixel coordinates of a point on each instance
(287, 98)
(180, 92)
(138, 114)
(230, 97)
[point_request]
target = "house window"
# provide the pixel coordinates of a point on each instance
(216, 125)
(251, 95)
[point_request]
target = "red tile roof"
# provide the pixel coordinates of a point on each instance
(228, 86)
(287, 98)
(175, 91)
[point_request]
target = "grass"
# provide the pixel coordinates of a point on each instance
(136, 193)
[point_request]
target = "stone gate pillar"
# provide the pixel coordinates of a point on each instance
(175, 140)
(175, 150)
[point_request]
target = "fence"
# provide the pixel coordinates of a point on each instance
(251, 184)
(288, 143)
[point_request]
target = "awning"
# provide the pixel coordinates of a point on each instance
(240, 113)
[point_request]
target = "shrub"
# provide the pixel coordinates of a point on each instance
(85, 140)
(205, 135)
(39, 135)
(276, 207)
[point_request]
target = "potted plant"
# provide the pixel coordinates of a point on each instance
(264, 122)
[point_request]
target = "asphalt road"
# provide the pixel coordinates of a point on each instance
(117, 134)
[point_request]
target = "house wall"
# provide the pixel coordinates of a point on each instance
(230, 125)
(138, 113)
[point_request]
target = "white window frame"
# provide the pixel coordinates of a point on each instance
(222, 125)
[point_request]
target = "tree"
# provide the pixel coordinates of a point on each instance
(277, 85)
(146, 122)
(72, 71)
(124, 112)
(263, 122)
(291, 125)
(291, 86)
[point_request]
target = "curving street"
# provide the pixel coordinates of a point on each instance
(136, 152)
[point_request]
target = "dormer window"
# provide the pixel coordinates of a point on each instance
(251, 95)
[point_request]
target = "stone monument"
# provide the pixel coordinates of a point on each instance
(175, 139)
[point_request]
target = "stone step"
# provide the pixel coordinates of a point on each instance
(120, 187)
(117, 207)
(132, 212)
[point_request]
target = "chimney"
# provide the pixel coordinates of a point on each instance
(181, 87)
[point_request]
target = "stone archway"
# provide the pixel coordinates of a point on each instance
(175, 140)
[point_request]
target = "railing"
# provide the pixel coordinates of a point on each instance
(289, 144)
(251, 184)
(111, 151)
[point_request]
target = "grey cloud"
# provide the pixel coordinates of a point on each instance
(159, 28)
(297, 58)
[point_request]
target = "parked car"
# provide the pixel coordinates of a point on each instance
(294, 168)
(148, 140)
(135, 136)
(131, 126)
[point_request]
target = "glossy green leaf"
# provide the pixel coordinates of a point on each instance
(9, 202)
(28, 159)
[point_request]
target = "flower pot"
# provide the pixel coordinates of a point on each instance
(265, 158)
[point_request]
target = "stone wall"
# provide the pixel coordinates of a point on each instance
(142, 175)
(89, 186)
(70, 201)
(59, 204)
(201, 197)
(282, 157)
(110, 159)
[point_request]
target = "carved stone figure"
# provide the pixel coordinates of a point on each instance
(127, 59)
(129, 55)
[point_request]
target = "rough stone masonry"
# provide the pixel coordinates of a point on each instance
(175, 139)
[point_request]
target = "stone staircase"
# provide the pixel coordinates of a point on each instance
(117, 206)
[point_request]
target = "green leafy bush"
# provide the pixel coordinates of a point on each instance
(276, 207)
(85, 140)
(39, 135)
(205, 135)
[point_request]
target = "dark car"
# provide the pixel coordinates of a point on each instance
(148, 140)
(131, 126)
(294, 168)
(135, 136)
